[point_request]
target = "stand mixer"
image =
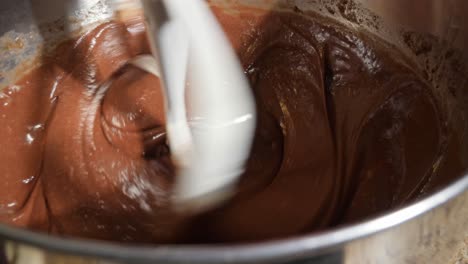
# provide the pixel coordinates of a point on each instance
(210, 140)
(393, 237)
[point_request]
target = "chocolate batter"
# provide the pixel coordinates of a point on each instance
(348, 128)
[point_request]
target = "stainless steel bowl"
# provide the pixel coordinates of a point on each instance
(427, 231)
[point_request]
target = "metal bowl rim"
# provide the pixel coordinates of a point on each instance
(305, 245)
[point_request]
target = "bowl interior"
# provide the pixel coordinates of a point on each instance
(28, 28)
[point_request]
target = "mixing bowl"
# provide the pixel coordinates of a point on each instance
(430, 230)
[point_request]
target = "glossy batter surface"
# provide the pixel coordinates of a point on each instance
(347, 129)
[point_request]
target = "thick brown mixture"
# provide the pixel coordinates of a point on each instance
(347, 129)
